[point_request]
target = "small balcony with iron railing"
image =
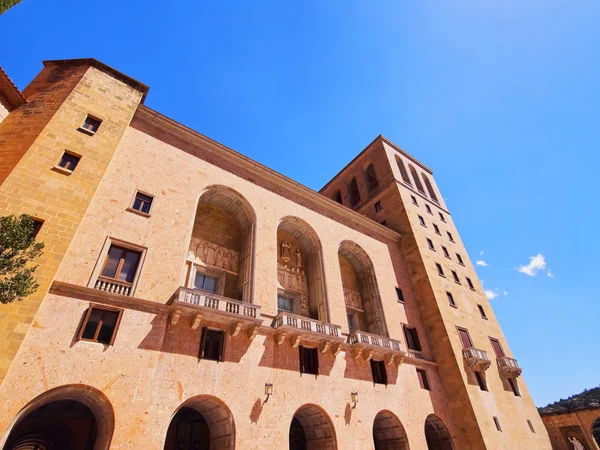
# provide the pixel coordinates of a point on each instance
(366, 345)
(304, 330)
(196, 306)
(476, 359)
(509, 367)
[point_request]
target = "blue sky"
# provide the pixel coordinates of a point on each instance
(500, 98)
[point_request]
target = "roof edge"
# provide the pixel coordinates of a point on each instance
(10, 95)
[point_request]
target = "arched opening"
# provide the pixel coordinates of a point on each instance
(430, 188)
(338, 197)
(436, 434)
(201, 423)
(361, 294)
(220, 257)
(74, 417)
(418, 184)
(311, 429)
(300, 279)
(596, 431)
(372, 181)
(354, 193)
(388, 432)
(403, 172)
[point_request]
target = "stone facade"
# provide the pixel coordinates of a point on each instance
(566, 428)
(211, 206)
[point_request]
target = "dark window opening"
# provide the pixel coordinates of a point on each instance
(481, 380)
(482, 312)
(100, 325)
(530, 426)
(423, 381)
(430, 188)
(378, 206)
(69, 161)
(379, 372)
(430, 244)
(413, 172)
(399, 294)
(470, 283)
(403, 172)
(372, 178)
(384, 223)
(440, 270)
(412, 339)
(460, 260)
(445, 250)
(212, 344)
(338, 197)
(442, 218)
(451, 299)
(455, 276)
(422, 221)
(450, 236)
(142, 202)
(514, 386)
(436, 229)
(354, 193)
(121, 264)
(91, 124)
(497, 423)
(414, 200)
(37, 226)
(309, 360)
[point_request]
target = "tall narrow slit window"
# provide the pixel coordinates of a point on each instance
(379, 372)
(445, 251)
(399, 294)
(309, 360)
(338, 197)
(430, 244)
(470, 283)
(100, 325)
(465, 338)
(480, 377)
(354, 192)
(378, 206)
(482, 312)
(212, 344)
(121, 264)
(460, 260)
(455, 277)
(414, 200)
(422, 221)
(428, 208)
(436, 229)
(37, 226)
(372, 178)
(412, 339)
(530, 426)
(497, 423)
(450, 237)
(442, 218)
(514, 386)
(423, 381)
(451, 299)
(440, 270)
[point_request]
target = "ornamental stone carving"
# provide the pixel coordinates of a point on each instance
(291, 278)
(285, 251)
(213, 254)
(298, 256)
(352, 298)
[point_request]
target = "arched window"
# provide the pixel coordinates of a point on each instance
(311, 428)
(354, 193)
(361, 293)
(372, 178)
(338, 197)
(436, 434)
(403, 172)
(418, 184)
(388, 432)
(430, 188)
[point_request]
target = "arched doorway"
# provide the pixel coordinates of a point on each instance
(436, 434)
(73, 417)
(311, 429)
(220, 256)
(388, 432)
(361, 293)
(300, 279)
(201, 423)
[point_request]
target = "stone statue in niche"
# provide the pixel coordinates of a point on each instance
(298, 256)
(213, 254)
(576, 444)
(285, 251)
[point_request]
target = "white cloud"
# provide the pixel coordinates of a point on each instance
(490, 294)
(550, 274)
(481, 252)
(505, 293)
(536, 264)
(481, 262)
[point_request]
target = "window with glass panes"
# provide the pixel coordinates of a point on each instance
(142, 202)
(100, 325)
(284, 304)
(121, 264)
(205, 282)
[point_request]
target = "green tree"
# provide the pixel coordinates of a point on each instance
(5, 5)
(18, 249)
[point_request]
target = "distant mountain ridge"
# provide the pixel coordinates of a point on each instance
(590, 398)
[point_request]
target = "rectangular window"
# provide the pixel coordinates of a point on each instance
(100, 325)
(481, 380)
(445, 250)
(470, 283)
(423, 381)
(412, 339)
(465, 338)
(440, 270)
(422, 221)
(451, 299)
(399, 294)
(378, 206)
(379, 372)
(450, 236)
(121, 264)
(309, 360)
(514, 386)
(530, 426)
(482, 311)
(497, 347)
(212, 344)
(91, 124)
(142, 202)
(460, 260)
(414, 200)
(430, 244)
(497, 423)
(205, 282)
(352, 321)
(436, 229)
(428, 208)
(284, 304)
(442, 218)
(455, 276)
(37, 226)
(69, 161)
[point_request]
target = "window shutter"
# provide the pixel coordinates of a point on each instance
(497, 348)
(222, 349)
(465, 338)
(202, 343)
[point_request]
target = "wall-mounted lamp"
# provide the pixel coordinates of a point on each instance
(354, 396)
(268, 391)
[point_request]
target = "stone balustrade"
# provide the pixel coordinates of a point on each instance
(113, 286)
(306, 324)
(309, 331)
(367, 345)
(476, 358)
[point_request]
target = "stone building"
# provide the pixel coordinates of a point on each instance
(191, 298)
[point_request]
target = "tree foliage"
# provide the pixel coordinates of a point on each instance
(5, 5)
(17, 251)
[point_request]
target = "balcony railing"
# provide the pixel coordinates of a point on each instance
(477, 359)
(509, 366)
(207, 306)
(367, 345)
(307, 330)
(113, 286)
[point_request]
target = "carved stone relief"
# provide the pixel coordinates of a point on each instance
(213, 254)
(353, 299)
(292, 278)
(285, 251)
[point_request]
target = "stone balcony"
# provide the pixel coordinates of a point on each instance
(199, 305)
(367, 345)
(112, 286)
(509, 367)
(304, 330)
(476, 359)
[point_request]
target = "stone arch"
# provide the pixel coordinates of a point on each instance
(416, 179)
(403, 172)
(89, 397)
(436, 434)
(361, 291)
(371, 176)
(224, 252)
(430, 188)
(216, 416)
(311, 428)
(300, 276)
(388, 432)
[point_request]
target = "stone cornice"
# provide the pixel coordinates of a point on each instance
(190, 141)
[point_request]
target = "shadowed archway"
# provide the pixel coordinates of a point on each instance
(436, 434)
(388, 432)
(311, 429)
